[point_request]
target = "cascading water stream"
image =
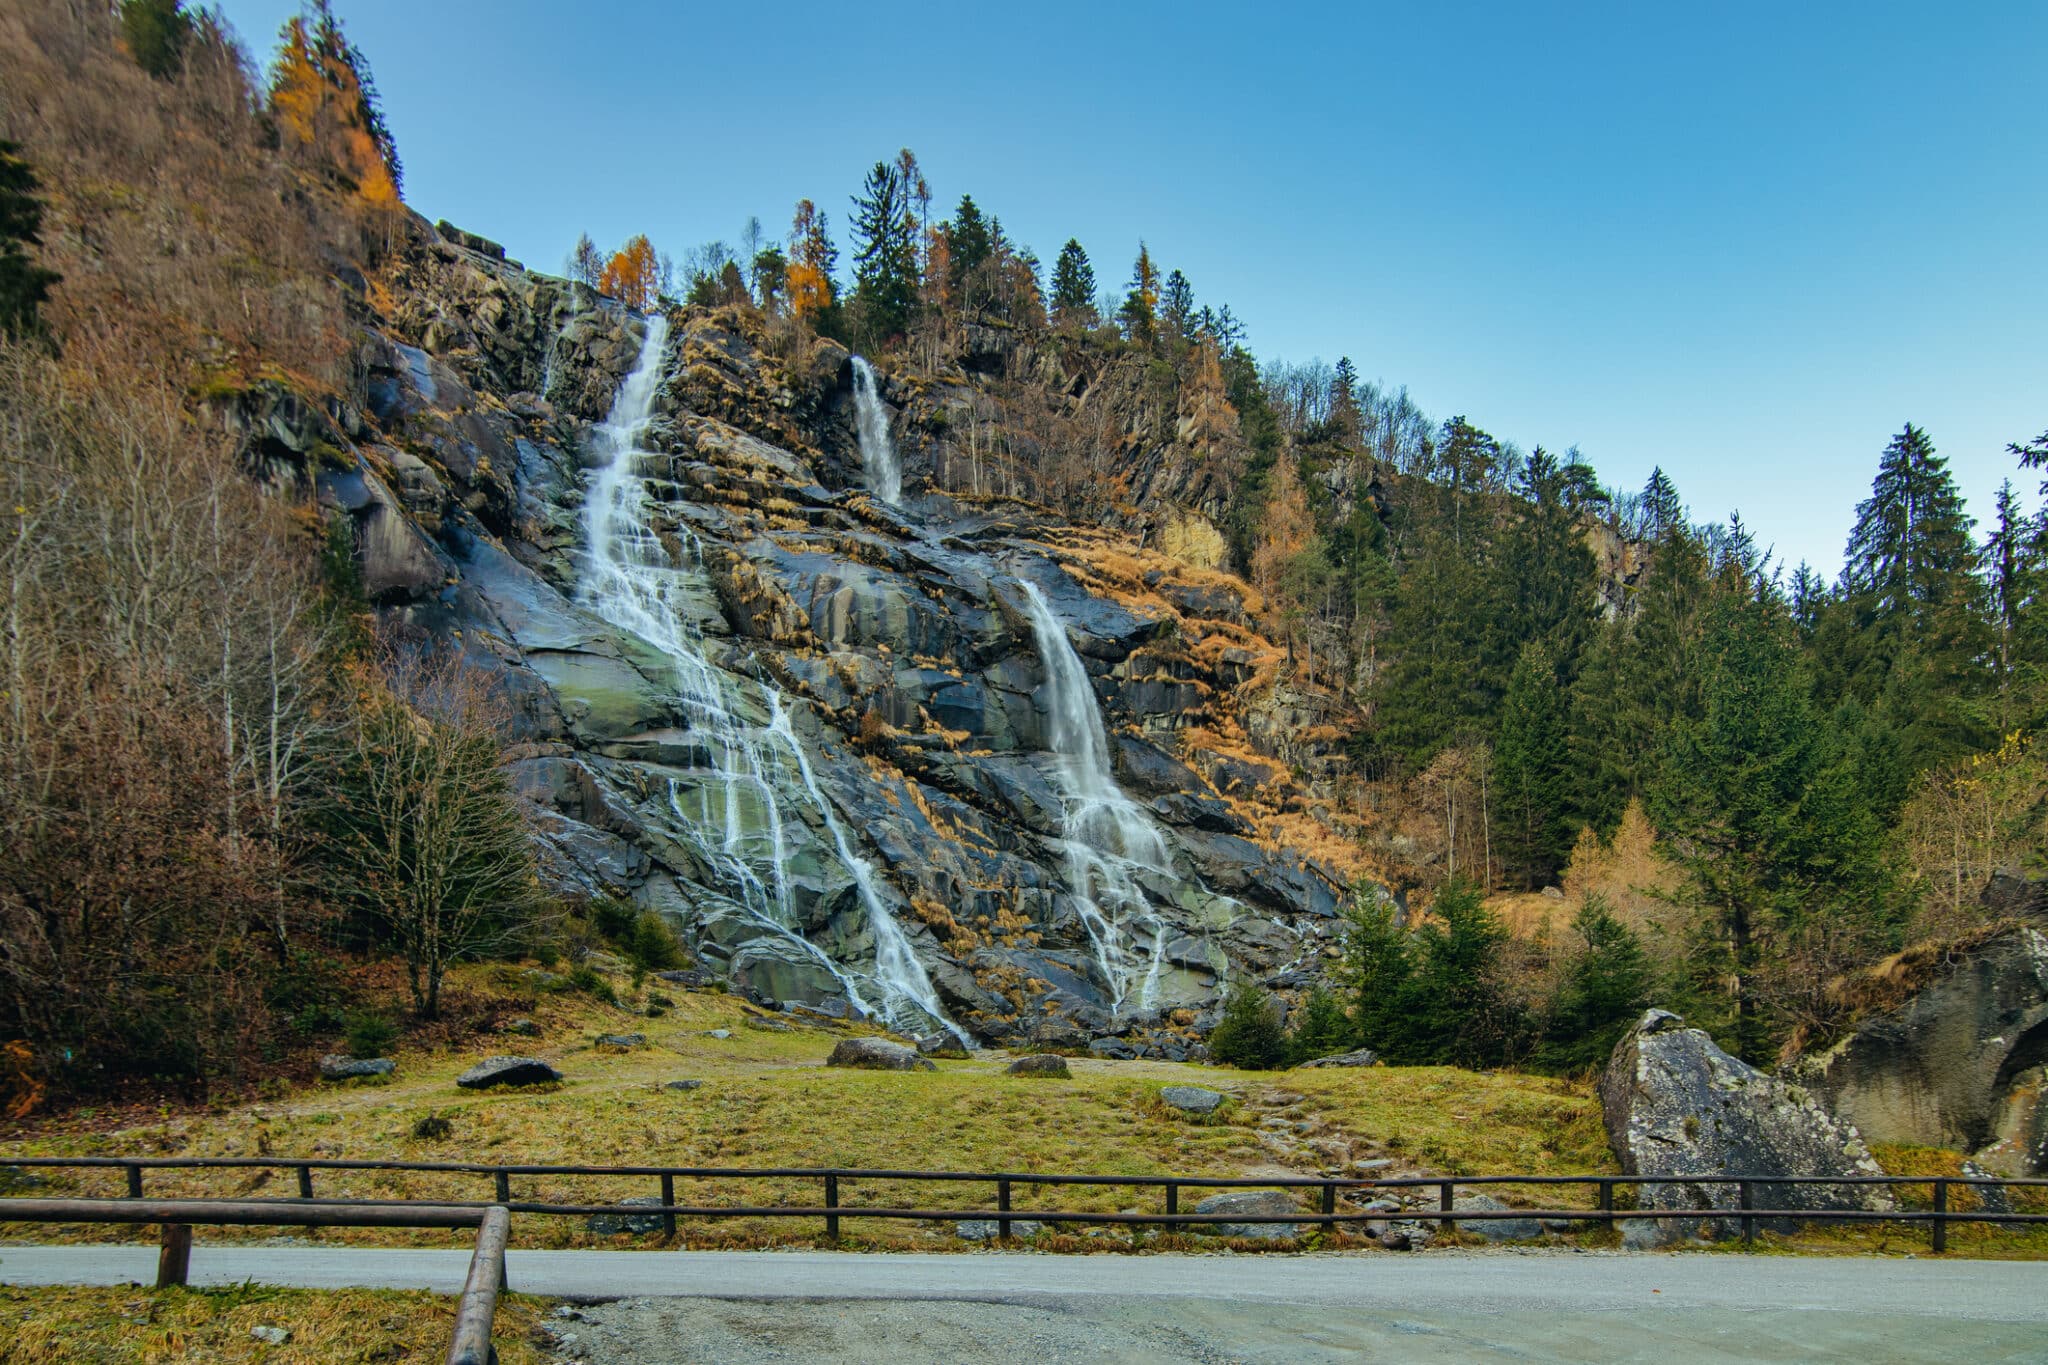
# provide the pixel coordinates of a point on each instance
(1107, 839)
(877, 450)
(737, 819)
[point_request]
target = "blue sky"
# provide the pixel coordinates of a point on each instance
(1746, 241)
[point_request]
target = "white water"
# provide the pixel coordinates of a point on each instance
(877, 451)
(736, 819)
(1107, 838)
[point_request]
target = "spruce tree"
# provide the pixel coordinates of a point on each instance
(1662, 513)
(1249, 1035)
(1322, 1028)
(1377, 973)
(1073, 288)
(1139, 315)
(1915, 628)
(1605, 988)
(1177, 307)
(885, 252)
(23, 284)
(156, 32)
(969, 245)
(1533, 768)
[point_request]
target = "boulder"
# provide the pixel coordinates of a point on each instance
(496, 1071)
(1112, 1049)
(941, 1045)
(986, 1229)
(612, 1224)
(1957, 1057)
(1677, 1105)
(1040, 1064)
(682, 1085)
(1364, 1056)
(524, 1027)
(621, 1042)
(1262, 1203)
(1193, 1099)
(335, 1067)
(1495, 1229)
(877, 1054)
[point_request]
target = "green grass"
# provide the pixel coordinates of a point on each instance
(767, 1100)
(80, 1326)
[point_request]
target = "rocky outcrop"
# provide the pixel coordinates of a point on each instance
(1676, 1105)
(1958, 1057)
(880, 659)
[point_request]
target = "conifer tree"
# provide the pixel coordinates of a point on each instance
(1073, 288)
(1249, 1034)
(156, 32)
(1533, 768)
(1139, 315)
(1177, 307)
(1662, 512)
(24, 285)
(1322, 1027)
(1605, 989)
(1344, 402)
(968, 248)
(1914, 628)
(812, 260)
(885, 268)
(323, 95)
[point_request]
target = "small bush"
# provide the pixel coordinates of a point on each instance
(653, 944)
(1249, 1035)
(1323, 1028)
(591, 982)
(369, 1033)
(432, 1128)
(614, 920)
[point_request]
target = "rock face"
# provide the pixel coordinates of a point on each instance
(1241, 1202)
(334, 1067)
(819, 740)
(878, 1054)
(496, 1071)
(1677, 1105)
(1961, 1062)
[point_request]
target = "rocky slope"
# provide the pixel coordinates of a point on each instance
(825, 734)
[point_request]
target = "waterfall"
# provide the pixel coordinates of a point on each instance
(877, 451)
(1107, 839)
(737, 820)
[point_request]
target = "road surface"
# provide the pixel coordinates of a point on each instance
(1438, 1306)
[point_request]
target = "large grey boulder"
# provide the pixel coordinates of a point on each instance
(1495, 1229)
(1676, 1105)
(1192, 1099)
(877, 1054)
(1961, 1061)
(1045, 1064)
(496, 1071)
(1364, 1056)
(1249, 1202)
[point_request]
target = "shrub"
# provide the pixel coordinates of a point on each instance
(369, 1033)
(1249, 1035)
(1605, 987)
(1322, 1029)
(432, 1128)
(592, 982)
(653, 944)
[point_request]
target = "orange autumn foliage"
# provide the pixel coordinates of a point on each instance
(630, 275)
(318, 98)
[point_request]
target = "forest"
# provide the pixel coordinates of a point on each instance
(224, 784)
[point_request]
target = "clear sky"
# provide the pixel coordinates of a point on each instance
(1746, 241)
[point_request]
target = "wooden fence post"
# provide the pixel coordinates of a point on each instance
(668, 1199)
(832, 1207)
(305, 1181)
(1445, 1203)
(1941, 1215)
(174, 1256)
(134, 1180)
(504, 1184)
(1003, 1206)
(1173, 1206)
(1329, 1206)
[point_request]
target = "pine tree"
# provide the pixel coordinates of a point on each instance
(1662, 512)
(1073, 288)
(24, 285)
(2012, 576)
(156, 32)
(968, 248)
(885, 252)
(768, 271)
(1249, 1035)
(1605, 988)
(1344, 402)
(1322, 1028)
(812, 260)
(1177, 307)
(1769, 817)
(1533, 768)
(1377, 972)
(1139, 315)
(1915, 628)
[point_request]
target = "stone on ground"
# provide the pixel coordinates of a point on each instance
(1249, 1202)
(985, 1229)
(495, 1071)
(612, 1224)
(335, 1067)
(1040, 1064)
(622, 1042)
(1495, 1229)
(877, 1054)
(1364, 1056)
(1194, 1099)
